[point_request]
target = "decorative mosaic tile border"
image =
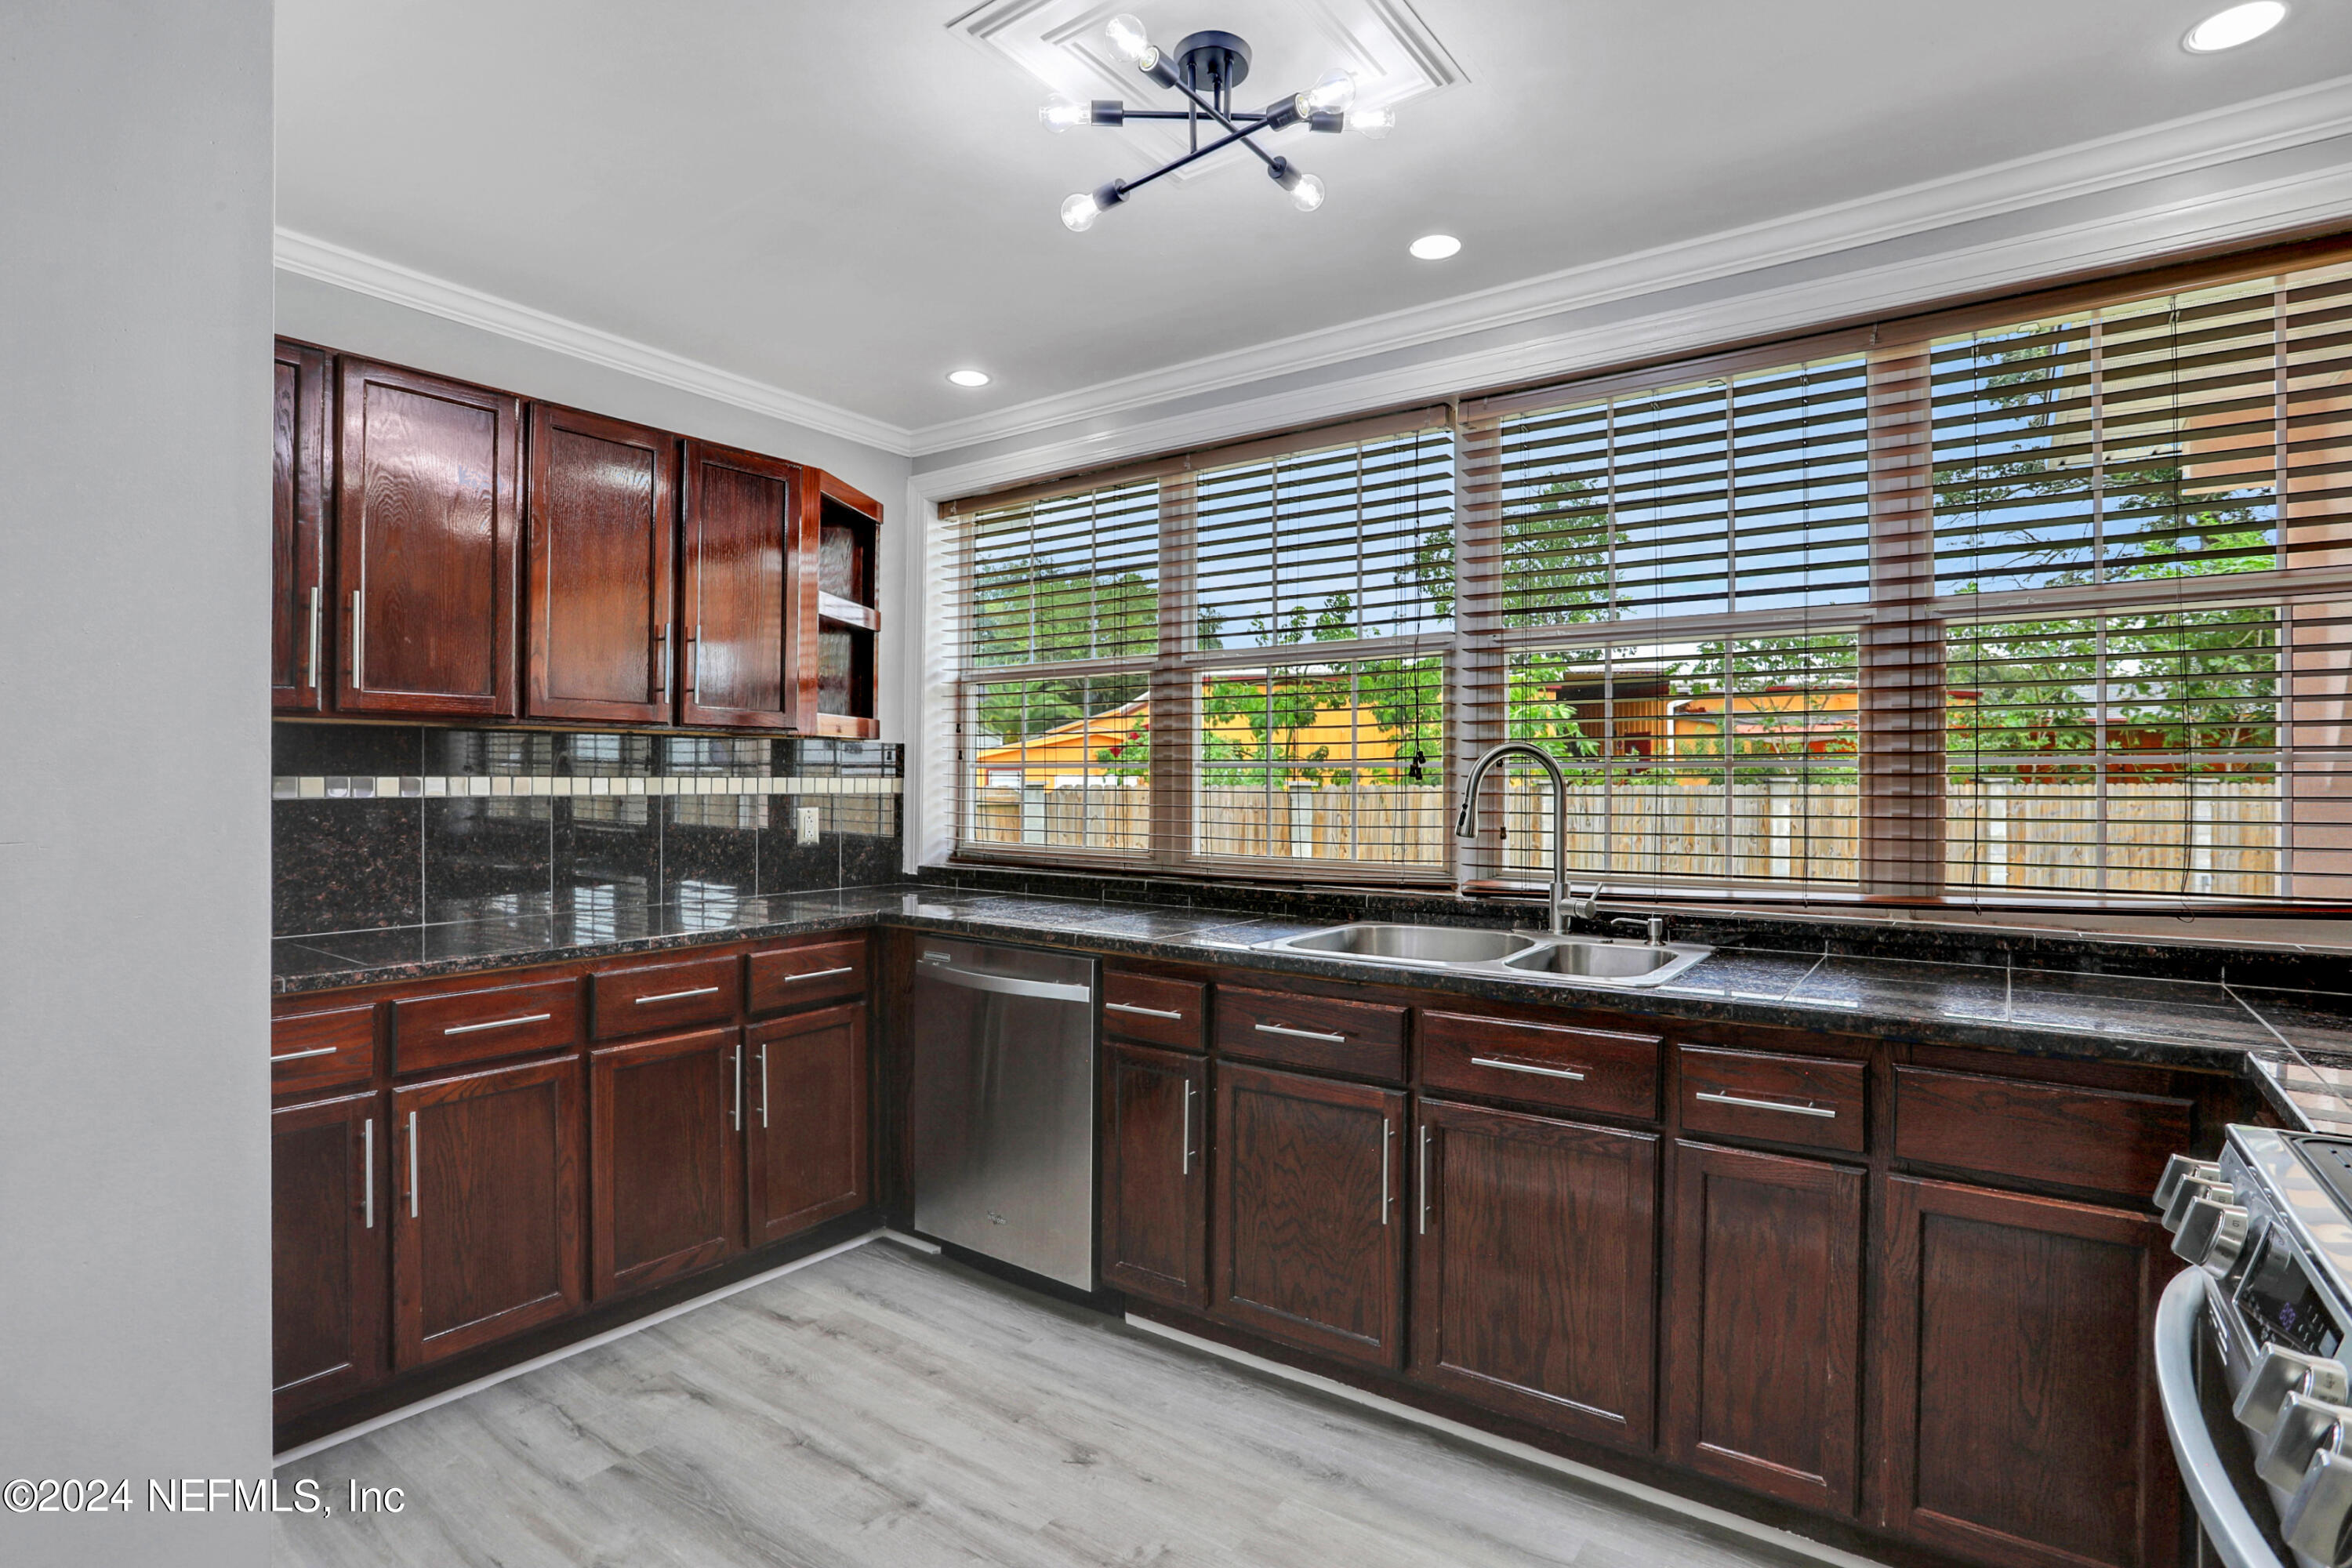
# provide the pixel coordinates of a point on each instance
(315, 786)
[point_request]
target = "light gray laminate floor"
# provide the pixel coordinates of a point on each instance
(885, 1408)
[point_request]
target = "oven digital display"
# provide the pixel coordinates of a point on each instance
(2279, 1296)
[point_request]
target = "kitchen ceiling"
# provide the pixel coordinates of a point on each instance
(848, 200)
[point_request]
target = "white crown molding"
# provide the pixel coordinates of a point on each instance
(309, 256)
(2237, 132)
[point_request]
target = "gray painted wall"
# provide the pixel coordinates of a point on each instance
(134, 568)
(341, 318)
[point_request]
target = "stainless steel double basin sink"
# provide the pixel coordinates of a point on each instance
(1501, 954)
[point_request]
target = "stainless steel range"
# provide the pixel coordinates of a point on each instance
(2250, 1346)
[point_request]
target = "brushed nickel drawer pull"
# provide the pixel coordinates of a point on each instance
(313, 1051)
(1574, 1075)
(498, 1024)
(675, 995)
(817, 974)
(1141, 1012)
(1717, 1097)
(1300, 1034)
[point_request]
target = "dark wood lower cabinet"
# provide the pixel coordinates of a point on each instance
(1311, 1223)
(2020, 1423)
(485, 1210)
(665, 1157)
(1155, 1174)
(327, 1251)
(1763, 1323)
(805, 1119)
(1534, 1278)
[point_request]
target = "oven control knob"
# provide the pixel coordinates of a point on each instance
(2174, 1170)
(2211, 1235)
(2279, 1375)
(2306, 1426)
(2314, 1520)
(2191, 1189)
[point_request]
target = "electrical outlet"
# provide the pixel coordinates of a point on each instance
(804, 823)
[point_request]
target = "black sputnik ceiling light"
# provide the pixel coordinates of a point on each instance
(1206, 67)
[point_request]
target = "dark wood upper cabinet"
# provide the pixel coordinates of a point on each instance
(1763, 1323)
(298, 511)
(600, 632)
(1309, 1244)
(486, 1206)
(2020, 1423)
(840, 551)
(327, 1251)
(428, 487)
(665, 1156)
(1535, 1267)
(746, 554)
(805, 1086)
(1155, 1174)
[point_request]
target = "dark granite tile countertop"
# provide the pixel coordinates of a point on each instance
(2296, 1044)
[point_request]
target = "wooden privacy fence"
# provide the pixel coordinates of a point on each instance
(2219, 835)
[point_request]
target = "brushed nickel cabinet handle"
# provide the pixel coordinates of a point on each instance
(1574, 1075)
(763, 1084)
(359, 641)
(1187, 1127)
(498, 1024)
(661, 657)
(738, 1086)
(821, 974)
(367, 1168)
(318, 618)
(675, 995)
(1300, 1034)
(694, 660)
(411, 1164)
(1387, 1136)
(1142, 1012)
(297, 1055)
(1424, 1178)
(1716, 1096)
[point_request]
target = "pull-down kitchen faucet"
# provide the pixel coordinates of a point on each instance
(1466, 825)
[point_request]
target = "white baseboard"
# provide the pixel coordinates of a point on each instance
(1657, 1497)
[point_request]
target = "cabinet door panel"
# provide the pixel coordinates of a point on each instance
(741, 542)
(426, 486)
(1765, 1321)
(806, 1091)
(664, 1157)
(327, 1251)
(1535, 1267)
(1310, 1235)
(1155, 1178)
(2020, 1420)
(297, 508)
(603, 524)
(486, 1213)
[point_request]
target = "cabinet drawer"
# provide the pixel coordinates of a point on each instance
(1320, 1033)
(1758, 1094)
(1155, 1011)
(321, 1049)
(2098, 1138)
(1552, 1064)
(460, 1026)
(807, 972)
(648, 997)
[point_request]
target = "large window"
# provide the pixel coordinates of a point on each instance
(2043, 605)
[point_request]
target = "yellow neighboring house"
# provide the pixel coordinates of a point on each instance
(1070, 754)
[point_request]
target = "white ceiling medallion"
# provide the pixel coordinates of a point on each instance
(1389, 51)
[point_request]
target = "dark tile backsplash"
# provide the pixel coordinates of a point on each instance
(381, 826)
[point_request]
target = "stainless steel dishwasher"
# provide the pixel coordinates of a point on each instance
(1003, 1144)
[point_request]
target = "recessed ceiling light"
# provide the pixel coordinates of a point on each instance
(969, 377)
(1435, 247)
(2238, 24)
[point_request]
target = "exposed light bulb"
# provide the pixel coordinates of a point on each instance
(1333, 91)
(1372, 123)
(1127, 36)
(1078, 213)
(1061, 111)
(1307, 193)
(2238, 24)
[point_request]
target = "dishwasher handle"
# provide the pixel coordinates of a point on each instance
(1005, 984)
